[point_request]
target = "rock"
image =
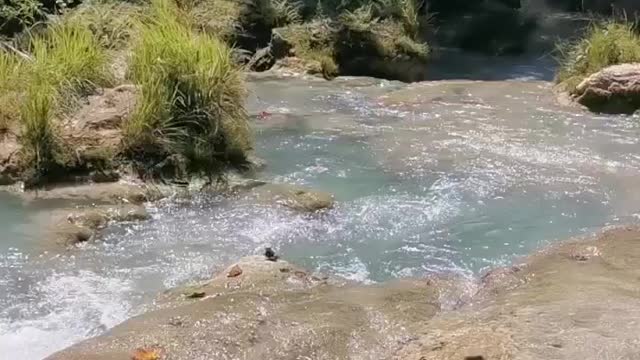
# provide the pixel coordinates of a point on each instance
(235, 271)
(97, 217)
(615, 89)
(255, 164)
(280, 46)
(197, 295)
(71, 226)
(293, 196)
(104, 176)
(270, 314)
(67, 234)
(89, 194)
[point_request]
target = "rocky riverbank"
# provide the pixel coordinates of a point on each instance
(572, 301)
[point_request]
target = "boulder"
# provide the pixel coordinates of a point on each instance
(72, 226)
(615, 89)
(88, 194)
(293, 196)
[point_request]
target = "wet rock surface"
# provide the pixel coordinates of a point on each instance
(75, 225)
(293, 196)
(107, 193)
(615, 89)
(555, 306)
(273, 310)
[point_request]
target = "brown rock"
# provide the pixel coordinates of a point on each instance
(294, 197)
(615, 89)
(235, 271)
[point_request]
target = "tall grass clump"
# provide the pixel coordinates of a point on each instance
(277, 13)
(605, 44)
(67, 63)
(11, 83)
(112, 23)
(192, 95)
(223, 18)
(406, 11)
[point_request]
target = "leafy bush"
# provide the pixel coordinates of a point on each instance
(192, 95)
(18, 14)
(605, 44)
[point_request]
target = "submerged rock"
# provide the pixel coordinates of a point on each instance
(106, 193)
(72, 226)
(293, 196)
(615, 89)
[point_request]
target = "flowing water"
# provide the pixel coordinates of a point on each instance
(439, 177)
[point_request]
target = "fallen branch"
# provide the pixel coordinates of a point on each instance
(7, 46)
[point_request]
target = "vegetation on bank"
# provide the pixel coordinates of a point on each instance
(605, 43)
(338, 38)
(192, 95)
(191, 90)
(45, 82)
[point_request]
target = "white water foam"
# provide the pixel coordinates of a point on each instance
(74, 307)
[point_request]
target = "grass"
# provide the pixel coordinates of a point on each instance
(405, 11)
(192, 94)
(63, 64)
(277, 13)
(605, 44)
(222, 18)
(112, 23)
(314, 43)
(11, 72)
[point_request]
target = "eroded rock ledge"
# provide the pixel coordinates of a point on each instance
(615, 89)
(578, 300)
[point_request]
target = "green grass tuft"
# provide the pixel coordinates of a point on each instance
(405, 11)
(277, 13)
(66, 63)
(112, 23)
(605, 44)
(11, 84)
(193, 94)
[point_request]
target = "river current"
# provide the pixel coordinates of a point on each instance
(448, 176)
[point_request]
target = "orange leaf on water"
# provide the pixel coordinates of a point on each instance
(145, 354)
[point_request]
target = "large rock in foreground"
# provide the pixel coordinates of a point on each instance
(260, 309)
(615, 89)
(579, 300)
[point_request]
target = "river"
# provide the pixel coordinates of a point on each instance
(448, 176)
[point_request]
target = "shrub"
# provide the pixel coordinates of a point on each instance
(605, 44)
(18, 14)
(192, 101)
